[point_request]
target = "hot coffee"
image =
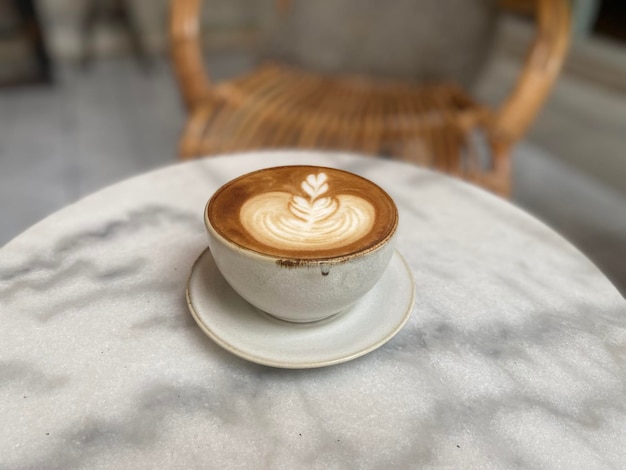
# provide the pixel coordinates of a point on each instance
(301, 242)
(303, 213)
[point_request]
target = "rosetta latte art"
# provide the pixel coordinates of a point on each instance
(310, 221)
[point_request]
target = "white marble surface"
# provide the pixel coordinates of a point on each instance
(514, 356)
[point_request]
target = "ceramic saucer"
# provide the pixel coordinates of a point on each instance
(249, 333)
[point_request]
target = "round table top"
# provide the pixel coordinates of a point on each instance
(514, 355)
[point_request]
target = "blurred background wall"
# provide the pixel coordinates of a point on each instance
(226, 22)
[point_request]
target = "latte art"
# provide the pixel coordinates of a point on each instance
(309, 221)
(302, 213)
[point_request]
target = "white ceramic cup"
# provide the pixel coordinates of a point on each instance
(300, 290)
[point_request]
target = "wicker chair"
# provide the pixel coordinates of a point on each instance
(434, 124)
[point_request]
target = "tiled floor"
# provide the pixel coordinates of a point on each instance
(89, 130)
(97, 127)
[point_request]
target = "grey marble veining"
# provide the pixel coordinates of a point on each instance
(513, 357)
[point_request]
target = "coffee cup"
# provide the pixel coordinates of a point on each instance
(301, 243)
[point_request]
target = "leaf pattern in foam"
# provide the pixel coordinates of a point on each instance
(313, 209)
(315, 186)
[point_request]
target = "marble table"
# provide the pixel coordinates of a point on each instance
(514, 355)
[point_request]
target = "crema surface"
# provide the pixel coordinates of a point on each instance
(303, 212)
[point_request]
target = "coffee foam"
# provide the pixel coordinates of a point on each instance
(303, 212)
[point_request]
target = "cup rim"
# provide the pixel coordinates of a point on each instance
(293, 261)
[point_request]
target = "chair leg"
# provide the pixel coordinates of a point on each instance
(127, 18)
(501, 154)
(29, 16)
(92, 12)
(193, 136)
(118, 11)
